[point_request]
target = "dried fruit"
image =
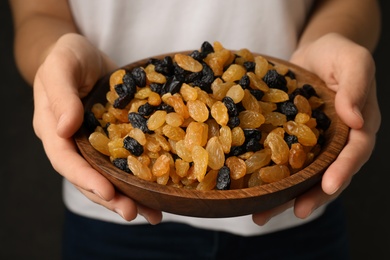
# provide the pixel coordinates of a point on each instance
(211, 119)
(274, 173)
(223, 178)
(133, 146)
(216, 153)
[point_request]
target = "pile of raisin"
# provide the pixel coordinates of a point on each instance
(210, 119)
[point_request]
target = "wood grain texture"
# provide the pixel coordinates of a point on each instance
(220, 203)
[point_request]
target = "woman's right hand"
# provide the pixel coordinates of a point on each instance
(70, 70)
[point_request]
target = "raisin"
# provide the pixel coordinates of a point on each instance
(197, 55)
(237, 150)
(231, 106)
(139, 76)
(223, 179)
(323, 121)
(244, 82)
(274, 80)
(172, 85)
(207, 78)
(288, 108)
(252, 134)
(164, 66)
(121, 163)
(321, 140)
(133, 146)
(121, 102)
(125, 91)
(206, 48)
(290, 139)
(306, 90)
(290, 74)
(155, 87)
(165, 107)
(233, 122)
(138, 121)
(193, 76)
(216, 153)
(188, 63)
(253, 145)
(250, 66)
(309, 90)
(90, 121)
(257, 93)
(146, 109)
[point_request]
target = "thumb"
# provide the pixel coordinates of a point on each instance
(354, 81)
(63, 98)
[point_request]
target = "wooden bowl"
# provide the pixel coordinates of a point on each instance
(217, 203)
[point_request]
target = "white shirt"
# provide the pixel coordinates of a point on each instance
(130, 30)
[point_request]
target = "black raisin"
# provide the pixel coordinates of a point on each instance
(323, 121)
(223, 178)
(230, 105)
(249, 66)
(321, 139)
(139, 76)
(237, 150)
(290, 74)
(146, 109)
(164, 66)
(121, 163)
(252, 134)
(257, 93)
(310, 90)
(90, 121)
(274, 80)
(156, 87)
(206, 48)
(133, 146)
(197, 55)
(306, 90)
(207, 78)
(253, 145)
(244, 82)
(165, 107)
(125, 91)
(290, 139)
(193, 76)
(288, 108)
(138, 121)
(121, 102)
(172, 85)
(233, 122)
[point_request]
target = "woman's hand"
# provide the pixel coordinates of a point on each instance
(349, 70)
(68, 74)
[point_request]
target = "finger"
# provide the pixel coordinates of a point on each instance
(311, 200)
(357, 151)
(60, 87)
(152, 216)
(354, 77)
(120, 204)
(263, 217)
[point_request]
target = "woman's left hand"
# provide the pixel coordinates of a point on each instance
(349, 70)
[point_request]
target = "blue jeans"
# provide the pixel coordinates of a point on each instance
(323, 238)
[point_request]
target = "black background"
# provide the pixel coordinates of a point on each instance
(30, 191)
